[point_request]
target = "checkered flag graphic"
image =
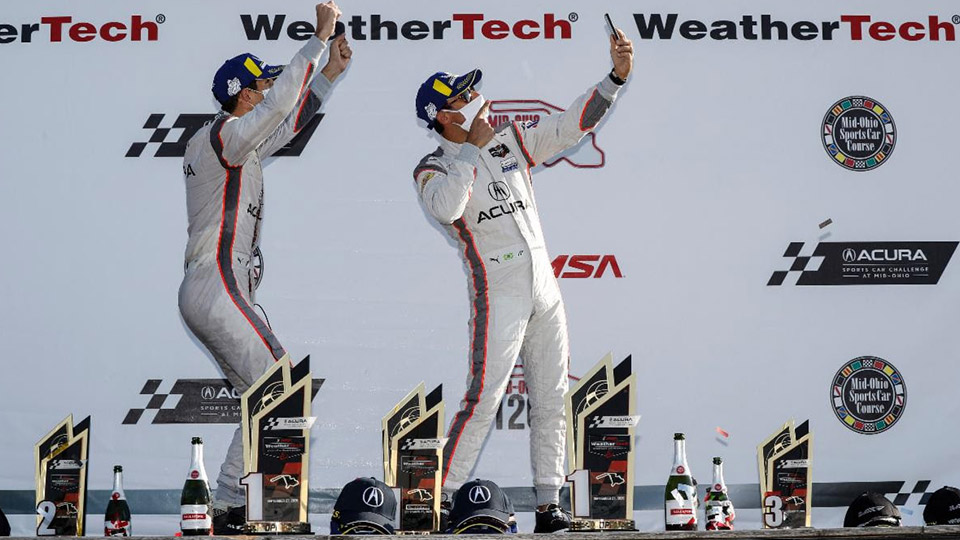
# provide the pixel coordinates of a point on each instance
(595, 422)
(271, 423)
(918, 496)
(407, 444)
(172, 141)
(801, 264)
(186, 124)
(158, 402)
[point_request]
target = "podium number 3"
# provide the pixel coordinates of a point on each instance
(47, 511)
(772, 511)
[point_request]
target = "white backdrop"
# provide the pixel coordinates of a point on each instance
(713, 163)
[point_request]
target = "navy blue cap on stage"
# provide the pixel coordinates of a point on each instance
(365, 506)
(480, 506)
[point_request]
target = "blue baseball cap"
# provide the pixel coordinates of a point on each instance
(238, 72)
(440, 87)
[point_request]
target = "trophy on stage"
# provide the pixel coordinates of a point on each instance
(275, 422)
(60, 460)
(784, 460)
(412, 458)
(601, 416)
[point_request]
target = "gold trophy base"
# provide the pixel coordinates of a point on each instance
(276, 527)
(597, 525)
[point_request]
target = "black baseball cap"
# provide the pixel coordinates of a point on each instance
(943, 507)
(871, 509)
(4, 525)
(365, 506)
(480, 506)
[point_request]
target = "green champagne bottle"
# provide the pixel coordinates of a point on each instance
(718, 508)
(195, 498)
(116, 520)
(680, 496)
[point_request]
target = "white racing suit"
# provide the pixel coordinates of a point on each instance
(484, 199)
(224, 181)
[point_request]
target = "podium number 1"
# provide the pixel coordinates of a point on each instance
(772, 511)
(47, 511)
(254, 484)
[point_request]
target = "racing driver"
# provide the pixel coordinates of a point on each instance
(477, 185)
(263, 107)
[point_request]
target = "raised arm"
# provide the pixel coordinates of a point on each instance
(242, 135)
(312, 100)
(557, 132)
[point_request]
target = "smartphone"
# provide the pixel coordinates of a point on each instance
(611, 27)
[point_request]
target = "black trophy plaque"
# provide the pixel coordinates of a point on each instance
(276, 416)
(61, 475)
(601, 417)
(413, 433)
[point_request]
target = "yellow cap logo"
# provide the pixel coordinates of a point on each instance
(252, 67)
(442, 88)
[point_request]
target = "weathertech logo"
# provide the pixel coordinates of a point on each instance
(65, 28)
(867, 263)
(585, 156)
(466, 26)
(187, 126)
(765, 27)
(584, 266)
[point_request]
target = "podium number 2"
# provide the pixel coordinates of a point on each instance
(772, 511)
(47, 511)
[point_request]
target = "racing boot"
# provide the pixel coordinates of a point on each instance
(552, 519)
(230, 521)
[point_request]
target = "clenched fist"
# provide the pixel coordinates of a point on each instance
(327, 15)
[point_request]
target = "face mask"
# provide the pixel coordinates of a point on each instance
(262, 93)
(470, 111)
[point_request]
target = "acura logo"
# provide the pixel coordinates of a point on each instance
(498, 190)
(207, 392)
(373, 497)
(479, 494)
(849, 255)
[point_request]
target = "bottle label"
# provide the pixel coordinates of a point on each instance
(116, 528)
(680, 469)
(194, 474)
(194, 516)
(679, 514)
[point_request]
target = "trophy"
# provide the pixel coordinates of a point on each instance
(601, 416)
(275, 423)
(784, 460)
(412, 458)
(60, 460)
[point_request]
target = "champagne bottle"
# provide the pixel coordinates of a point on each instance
(195, 498)
(680, 496)
(718, 508)
(116, 520)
